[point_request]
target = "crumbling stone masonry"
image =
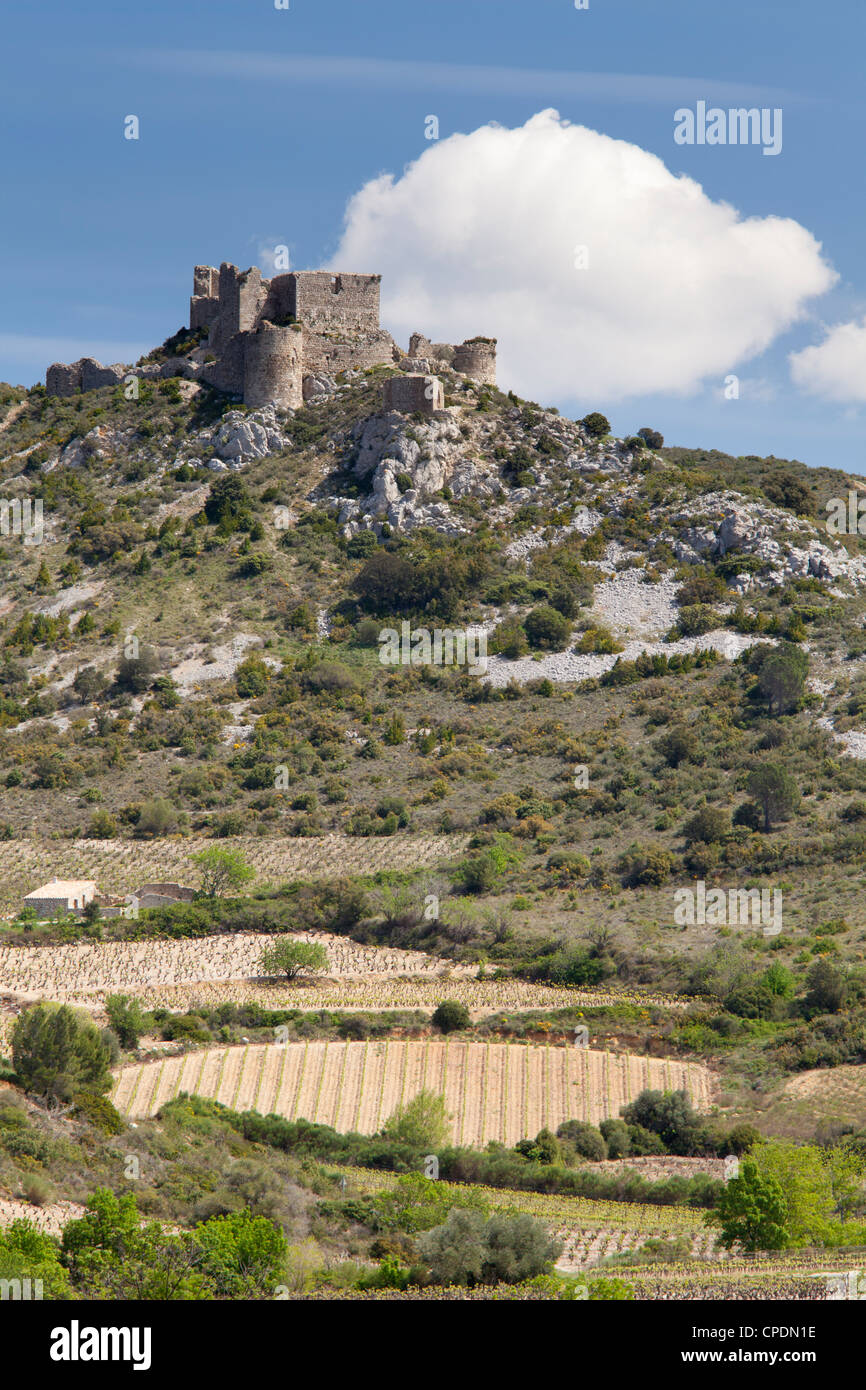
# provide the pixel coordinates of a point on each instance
(413, 391)
(84, 375)
(261, 339)
(475, 358)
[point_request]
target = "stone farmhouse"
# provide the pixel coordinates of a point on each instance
(271, 341)
(61, 895)
(73, 895)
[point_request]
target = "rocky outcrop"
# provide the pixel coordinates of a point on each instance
(757, 529)
(405, 466)
(241, 437)
(101, 443)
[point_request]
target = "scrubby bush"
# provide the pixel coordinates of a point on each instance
(584, 1138)
(547, 629)
(450, 1016)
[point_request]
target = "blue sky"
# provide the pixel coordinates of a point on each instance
(258, 126)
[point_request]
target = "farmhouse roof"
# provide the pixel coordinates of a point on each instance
(62, 888)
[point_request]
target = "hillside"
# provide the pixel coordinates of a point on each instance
(627, 816)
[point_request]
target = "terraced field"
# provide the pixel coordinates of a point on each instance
(502, 1091)
(91, 968)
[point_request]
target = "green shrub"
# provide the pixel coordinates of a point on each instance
(450, 1016)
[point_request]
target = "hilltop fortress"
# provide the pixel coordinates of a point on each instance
(271, 342)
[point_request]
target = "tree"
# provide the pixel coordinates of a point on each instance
(749, 815)
(752, 1210)
(291, 957)
(678, 745)
(251, 678)
(421, 1123)
(386, 584)
(506, 1249)
(395, 733)
(454, 1252)
(228, 503)
(136, 673)
(826, 988)
(585, 1139)
(222, 869)
(781, 673)
(547, 629)
(57, 1052)
(27, 1253)
(242, 1255)
(126, 1018)
(670, 1115)
(779, 980)
(92, 912)
(483, 870)
(596, 424)
(814, 1184)
(775, 791)
(509, 639)
(112, 1255)
(787, 490)
(615, 1134)
(89, 683)
(102, 827)
(517, 1248)
(651, 438)
(450, 1016)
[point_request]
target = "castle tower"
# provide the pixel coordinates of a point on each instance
(204, 302)
(273, 366)
(476, 358)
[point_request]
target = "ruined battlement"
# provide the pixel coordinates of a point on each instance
(475, 357)
(269, 341)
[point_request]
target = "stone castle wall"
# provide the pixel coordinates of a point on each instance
(84, 375)
(260, 339)
(327, 352)
(475, 357)
(348, 302)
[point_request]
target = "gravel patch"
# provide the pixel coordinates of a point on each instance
(584, 523)
(853, 742)
(70, 598)
(189, 674)
(575, 666)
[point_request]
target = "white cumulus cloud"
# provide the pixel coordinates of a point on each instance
(482, 234)
(836, 368)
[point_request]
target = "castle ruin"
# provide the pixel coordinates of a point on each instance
(272, 341)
